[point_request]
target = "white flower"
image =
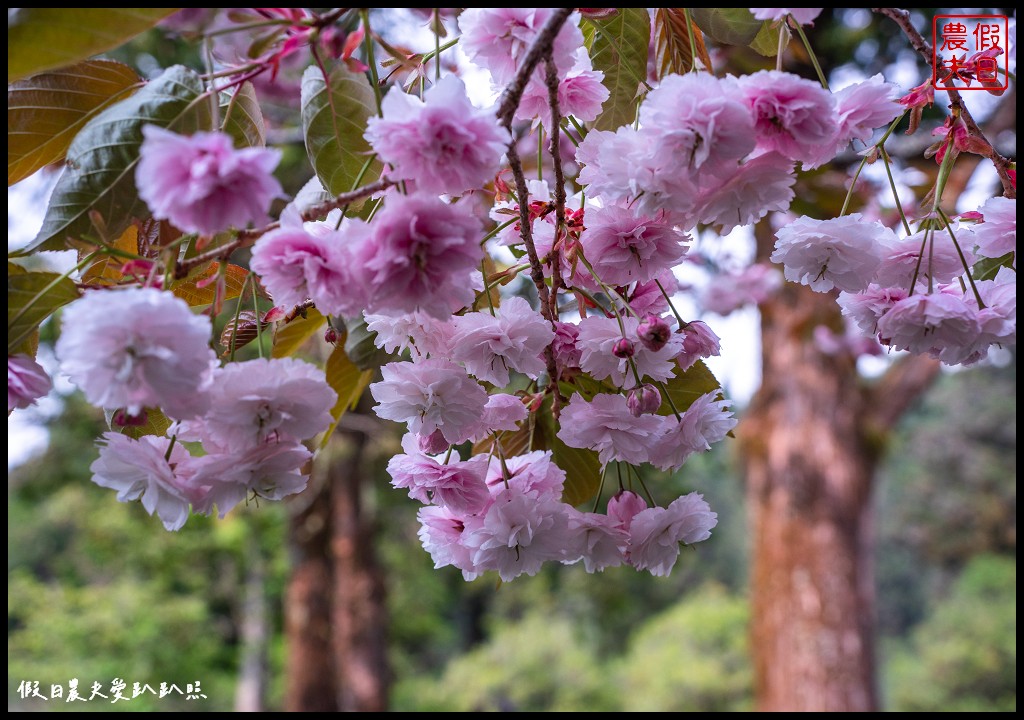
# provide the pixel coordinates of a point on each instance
(843, 252)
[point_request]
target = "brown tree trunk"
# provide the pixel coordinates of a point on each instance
(250, 693)
(810, 443)
(359, 612)
(310, 677)
(808, 467)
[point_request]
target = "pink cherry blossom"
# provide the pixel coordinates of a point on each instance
(793, 116)
(420, 255)
(998, 319)
(747, 193)
(647, 297)
(867, 307)
(655, 533)
(567, 355)
(624, 247)
(643, 400)
(113, 350)
(490, 346)
(864, 106)
(294, 264)
(699, 341)
(417, 332)
(440, 533)
(705, 422)
(597, 340)
(842, 252)
(138, 470)
(928, 254)
(498, 38)
(698, 121)
(597, 540)
(939, 324)
(456, 485)
(804, 16)
(502, 412)
(442, 142)
(430, 395)
(606, 425)
(201, 183)
(518, 534)
(260, 401)
(223, 480)
(533, 473)
(998, 234)
(26, 382)
(653, 332)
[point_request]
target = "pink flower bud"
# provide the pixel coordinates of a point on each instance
(644, 400)
(433, 444)
(624, 349)
(653, 332)
(122, 418)
(624, 506)
(331, 336)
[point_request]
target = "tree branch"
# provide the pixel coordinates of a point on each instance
(541, 46)
(924, 49)
(901, 385)
(246, 238)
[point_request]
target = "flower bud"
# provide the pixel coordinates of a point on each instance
(624, 349)
(624, 506)
(433, 444)
(653, 332)
(122, 418)
(331, 336)
(644, 400)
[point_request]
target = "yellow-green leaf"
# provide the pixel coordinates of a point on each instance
(619, 50)
(360, 345)
(100, 172)
(156, 424)
(243, 117)
(31, 298)
(107, 268)
(46, 111)
(202, 289)
(334, 114)
(41, 39)
(766, 42)
(347, 381)
(289, 338)
(685, 387)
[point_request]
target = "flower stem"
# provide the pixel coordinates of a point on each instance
(892, 186)
(810, 51)
(963, 260)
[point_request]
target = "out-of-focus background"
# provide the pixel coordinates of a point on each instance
(328, 601)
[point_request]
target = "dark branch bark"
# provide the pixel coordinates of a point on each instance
(541, 46)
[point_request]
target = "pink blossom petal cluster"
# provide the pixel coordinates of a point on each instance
(26, 382)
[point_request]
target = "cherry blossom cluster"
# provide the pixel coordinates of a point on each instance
(913, 293)
(602, 363)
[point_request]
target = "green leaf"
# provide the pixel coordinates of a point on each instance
(729, 26)
(243, 117)
(41, 39)
(100, 173)
(685, 387)
(582, 471)
(46, 111)
(348, 381)
(334, 115)
(360, 348)
(156, 424)
(988, 268)
(31, 298)
(289, 338)
(620, 50)
(766, 42)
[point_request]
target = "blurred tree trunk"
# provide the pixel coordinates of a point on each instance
(359, 611)
(335, 613)
(250, 693)
(810, 443)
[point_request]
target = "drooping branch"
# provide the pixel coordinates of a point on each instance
(246, 238)
(924, 49)
(551, 79)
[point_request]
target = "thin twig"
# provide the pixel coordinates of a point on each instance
(924, 49)
(246, 238)
(551, 78)
(541, 46)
